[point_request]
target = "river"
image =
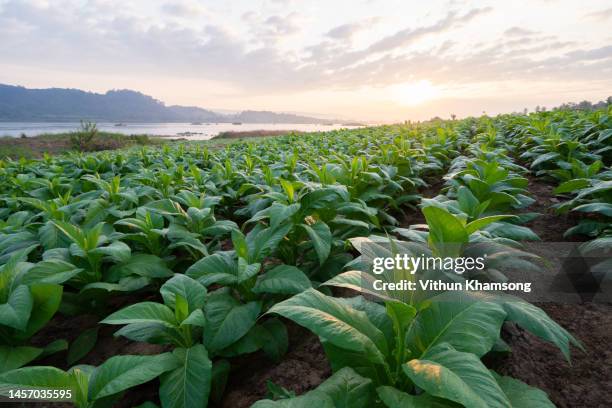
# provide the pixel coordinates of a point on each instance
(191, 131)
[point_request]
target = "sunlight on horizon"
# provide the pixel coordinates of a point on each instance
(414, 93)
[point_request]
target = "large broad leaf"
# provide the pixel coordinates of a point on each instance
(227, 320)
(347, 389)
(50, 271)
(544, 158)
(188, 385)
(16, 357)
(283, 279)
(153, 333)
(601, 208)
(36, 377)
(50, 237)
(264, 241)
(144, 312)
(360, 282)
(321, 239)
(82, 345)
(481, 223)
(522, 395)
(536, 321)
(191, 290)
(277, 213)
(337, 323)
(46, 301)
(276, 339)
(460, 377)
(444, 229)
(309, 400)
(218, 268)
(122, 372)
(220, 373)
(512, 231)
(117, 251)
(16, 311)
(572, 185)
(271, 337)
(394, 398)
(468, 324)
(146, 265)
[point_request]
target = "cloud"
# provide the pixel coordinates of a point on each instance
(255, 58)
(182, 9)
(600, 15)
(518, 32)
(409, 35)
(347, 31)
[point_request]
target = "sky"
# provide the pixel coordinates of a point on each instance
(370, 60)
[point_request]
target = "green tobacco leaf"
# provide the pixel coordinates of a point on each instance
(116, 251)
(264, 241)
(50, 271)
(394, 398)
(469, 325)
(401, 315)
(146, 265)
(467, 201)
(512, 231)
(16, 311)
(283, 279)
(341, 325)
(571, 186)
(154, 333)
(460, 377)
(309, 400)
(190, 289)
(444, 228)
(276, 339)
(54, 347)
(16, 357)
(82, 345)
(187, 386)
(36, 377)
(46, 300)
(218, 268)
(347, 389)
(220, 374)
(481, 223)
(119, 373)
(522, 395)
(601, 208)
(321, 239)
(240, 245)
(144, 312)
(358, 281)
(49, 236)
(544, 158)
(536, 321)
(227, 320)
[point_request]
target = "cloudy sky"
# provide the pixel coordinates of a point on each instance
(378, 60)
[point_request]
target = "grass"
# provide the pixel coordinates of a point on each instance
(36, 146)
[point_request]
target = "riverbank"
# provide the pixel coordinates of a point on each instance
(36, 146)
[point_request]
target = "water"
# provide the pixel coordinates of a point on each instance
(197, 132)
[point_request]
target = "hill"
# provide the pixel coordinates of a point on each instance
(19, 104)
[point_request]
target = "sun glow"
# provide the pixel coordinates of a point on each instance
(414, 93)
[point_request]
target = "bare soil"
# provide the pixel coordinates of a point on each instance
(303, 368)
(584, 382)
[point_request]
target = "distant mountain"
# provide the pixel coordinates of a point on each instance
(19, 104)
